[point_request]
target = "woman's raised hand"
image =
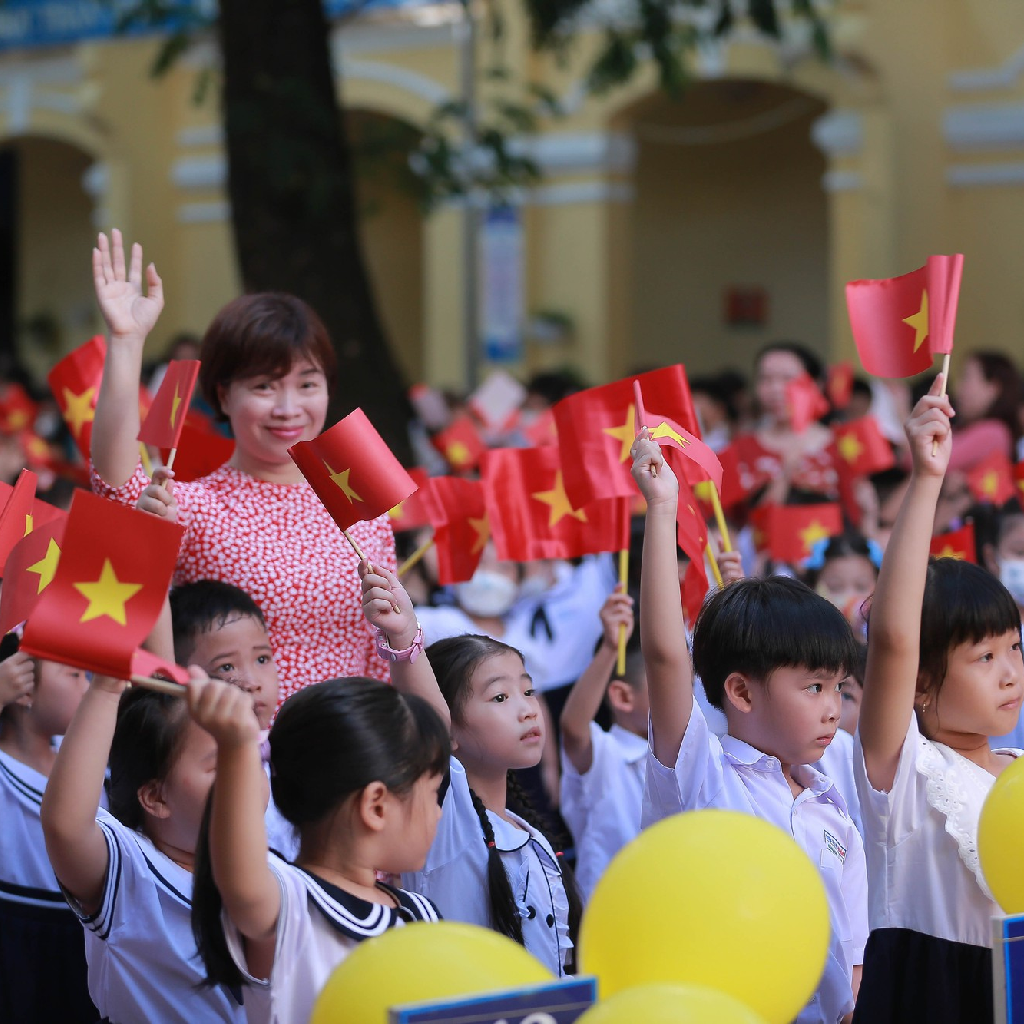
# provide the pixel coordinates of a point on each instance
(128, 313)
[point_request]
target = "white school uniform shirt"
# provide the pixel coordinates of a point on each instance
(143, 964)
(317, 927)
(921, 843)
(837, 764)
(726, 773)
(602, 806)
(455, 874)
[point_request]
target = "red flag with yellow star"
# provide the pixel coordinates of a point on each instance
(692, 538)
(75, 383)
(16, 517)
(413, 513)
(788, 532)
(112, 577)
(958, 544)
(806, 403)
(17, 410)
(200, 451)
(461, 526)
(991, 480)
(166, 414)
(29, 570)
(354, 473)
(460, 443)
(860, 448)
(1018, 482)
(596, 429)
(893, 317)
(839, 384)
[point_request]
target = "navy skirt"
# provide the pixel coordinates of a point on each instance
(910, 977)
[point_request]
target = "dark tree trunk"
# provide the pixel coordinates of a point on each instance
(291, 185)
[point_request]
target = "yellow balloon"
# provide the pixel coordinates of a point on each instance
(670, 1004)
(419, 962)
(712, 898)
(1000, 831)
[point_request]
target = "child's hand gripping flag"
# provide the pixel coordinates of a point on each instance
(354, 473)
(892, 318)
(166, 415)
(75, 382)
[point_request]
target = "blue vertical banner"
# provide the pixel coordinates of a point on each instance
(501, 266)
(1008, 968)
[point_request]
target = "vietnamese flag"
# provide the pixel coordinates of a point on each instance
(354, 473)
(17, 410)
(413, 513)
(166, 415)
(460, 443)
(16, 516)
(956, 544)
(861, 448)
(1018, 480)
(806, 403)
(992, 479)
(200, 451)
(461, 526)
(111, 580)
(789, 532)
(596, 429)
(692, 538)
(29, 570)
(75, 382)
(839, 385)
(893, 317)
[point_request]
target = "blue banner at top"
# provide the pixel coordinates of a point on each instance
(31, 23)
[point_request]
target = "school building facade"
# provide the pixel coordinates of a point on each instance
(662, 230)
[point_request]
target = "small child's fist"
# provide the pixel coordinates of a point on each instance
(730, 565)
(616, 613)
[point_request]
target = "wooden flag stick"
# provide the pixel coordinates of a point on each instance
(170, 459)
(714, 564)
(355, 546)
(723, 529)
(620, 664)
(416, 556)
(147, 464)
(160, 685)
(945, 381)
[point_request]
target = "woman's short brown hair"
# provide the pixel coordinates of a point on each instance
(261, 334)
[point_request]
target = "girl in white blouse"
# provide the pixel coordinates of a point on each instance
(944, 674)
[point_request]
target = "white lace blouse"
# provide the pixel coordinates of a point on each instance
(920, 840)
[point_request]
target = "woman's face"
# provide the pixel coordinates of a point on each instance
(974, 395)
(775, 371)
(269, 414)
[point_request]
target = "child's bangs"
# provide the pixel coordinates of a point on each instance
(964, 603)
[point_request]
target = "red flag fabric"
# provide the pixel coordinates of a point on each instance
(861, 448)
(200, 451)
(692, 537)
(460, 443)
(75, 382)
(412, 513)
(461, 527)
(146, 663)
(112, 577)
(28, 571)
(956, 544)
(43, 512)
(596, 429)
(16, 516)
(992, 479)
(166, 416)
(839, 386)
(891, 318)
(806, 403)
(1018, 481)
(17, 410)
(354, 473)
(788, 532)
(542, 430)
(699, 462)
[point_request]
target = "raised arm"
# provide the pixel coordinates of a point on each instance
(130, 316)
(662, 632)
(74, 841)
(585, 697)
(388, 607)
(890, 683)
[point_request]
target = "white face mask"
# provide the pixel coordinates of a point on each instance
(487, 594)
(1011, 575)
(534, 586)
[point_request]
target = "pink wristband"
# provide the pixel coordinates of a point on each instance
(410, 653)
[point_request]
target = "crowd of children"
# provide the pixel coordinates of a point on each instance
(214, 857)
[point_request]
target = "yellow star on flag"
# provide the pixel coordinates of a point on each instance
(1020, 485)
(107, 595)
(624, 434)
(812, 533)
(664, 430)
(483, 533)
(175, 402)
(850, 447)
(46, 566)
(17, 419)
(78, 409)
(28, 524)
(990, 483)
(919, 321)
(457, 454)
(948, 551)
(396, 512)
(341, 480)
(558, 500)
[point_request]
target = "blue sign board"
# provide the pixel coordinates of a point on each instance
(561, 1002)
(1008, 968)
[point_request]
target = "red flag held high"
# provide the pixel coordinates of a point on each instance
(112, 577)
(166, 416)
(200, 451)
(413, 512)
(75, 382)
(17, 410)
(460, 443)
(461, 527)
(861, 448)
(16, 516)
(354, 473)
(956, 544)
(29, 570)
(692, 538)
(992, 480)
(893, 317)
(788, 532)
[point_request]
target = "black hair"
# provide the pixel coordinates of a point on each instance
(755, 626)
(963, 603)
(859, 671)
(848, 544)
(204, 605)
(454, 660)
(329, 741)
(554, 385)
(148, 737)
(811, 363)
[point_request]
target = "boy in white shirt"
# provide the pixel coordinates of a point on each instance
(603, 772)
(772, 655)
